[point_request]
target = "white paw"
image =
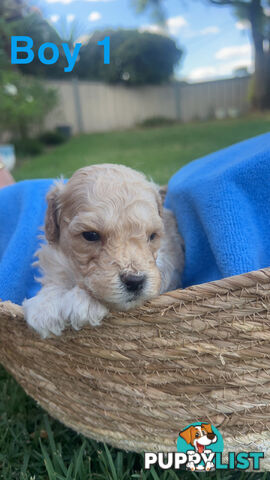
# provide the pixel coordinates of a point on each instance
(81, 309)
(55, 308)
(43, 315)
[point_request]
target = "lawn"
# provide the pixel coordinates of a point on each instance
(33, 445)
(159, 152)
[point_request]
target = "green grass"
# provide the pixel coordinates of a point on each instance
(159, 152)
(33, 445)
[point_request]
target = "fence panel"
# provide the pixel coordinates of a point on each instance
(92, 106)
(209, 99)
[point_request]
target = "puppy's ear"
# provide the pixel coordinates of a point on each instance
(160, 200)
(52, 228)
(163, 192)
(160, 196)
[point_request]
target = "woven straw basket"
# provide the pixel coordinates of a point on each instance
(200, 354)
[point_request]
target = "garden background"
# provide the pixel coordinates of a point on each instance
(59, 123)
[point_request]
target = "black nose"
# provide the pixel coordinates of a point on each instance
(133, 282)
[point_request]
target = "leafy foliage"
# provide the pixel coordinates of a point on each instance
(41, 32)
(136, 58)
(16, 18)
(157, 121)
(52, 137)
(24, 102)
(28, 146)
(156, 6)
(10, 11)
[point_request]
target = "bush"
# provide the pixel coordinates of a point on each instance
(157, 122)
(28, 146)
(24, 103)
(52, 137)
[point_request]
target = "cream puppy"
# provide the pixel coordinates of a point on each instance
(110, 246)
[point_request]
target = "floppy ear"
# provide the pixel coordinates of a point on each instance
(159, 198)
(163, 192)
(186, 434)
(52, 230)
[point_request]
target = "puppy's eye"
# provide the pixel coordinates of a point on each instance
(197, 435)
(91, 236)
(152, 236)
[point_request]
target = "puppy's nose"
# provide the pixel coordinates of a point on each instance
(210, 436)
(133, 283)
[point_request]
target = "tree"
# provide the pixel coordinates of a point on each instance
(17, 18)
(10, 11)
(136, 58)
(41, 32)
(253, 11)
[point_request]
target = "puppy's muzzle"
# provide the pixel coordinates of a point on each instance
(133, 283)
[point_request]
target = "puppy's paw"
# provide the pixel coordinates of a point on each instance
(43, 315)
(53, 309)
(81, 309)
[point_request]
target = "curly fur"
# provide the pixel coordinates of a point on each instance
(81, 280)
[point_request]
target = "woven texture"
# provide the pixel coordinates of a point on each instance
(200, 354)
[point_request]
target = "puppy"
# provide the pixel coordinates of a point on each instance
(110, 246)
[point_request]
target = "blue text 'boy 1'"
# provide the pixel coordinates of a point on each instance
(52, 51)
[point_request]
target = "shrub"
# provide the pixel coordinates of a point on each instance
(24, 103)
(28, 146)
(52, 137)
(157, 122)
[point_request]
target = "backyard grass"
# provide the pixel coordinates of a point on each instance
(33, 445)
(159, 152)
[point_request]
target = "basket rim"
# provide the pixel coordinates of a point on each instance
(199, 291)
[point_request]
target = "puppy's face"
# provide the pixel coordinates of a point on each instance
(107, 221)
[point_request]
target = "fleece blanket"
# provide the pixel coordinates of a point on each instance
(22, 213)
(222, 206)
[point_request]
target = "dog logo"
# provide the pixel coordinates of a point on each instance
(200, 441)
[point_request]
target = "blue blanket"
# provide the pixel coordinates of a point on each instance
(222, 206)
(22, 212)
